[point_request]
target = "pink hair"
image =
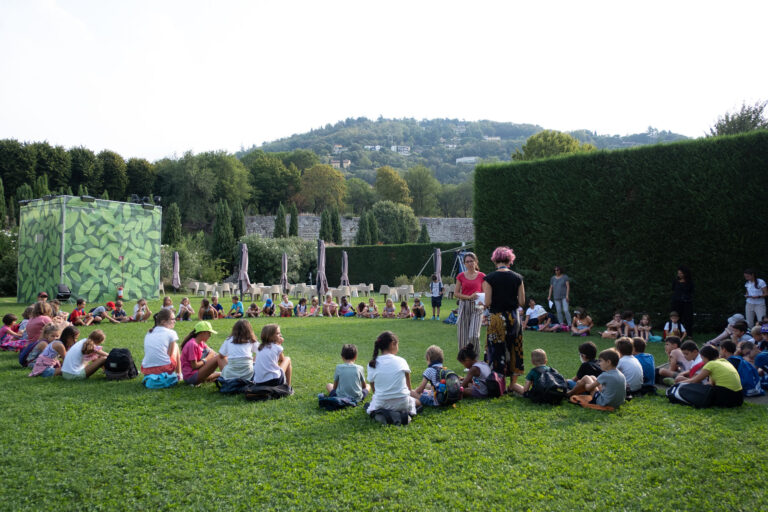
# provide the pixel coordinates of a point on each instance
(503, 255)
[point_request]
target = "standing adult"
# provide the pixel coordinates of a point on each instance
(468, 284)
(559, 290)
(755, 295)
(504, 293)
(682, 297)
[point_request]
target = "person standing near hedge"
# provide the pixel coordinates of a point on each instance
(756, 293)
(468, 284)
(559, 290)
(682, 297)
(504, 293)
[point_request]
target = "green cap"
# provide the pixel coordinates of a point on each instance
(204, 326)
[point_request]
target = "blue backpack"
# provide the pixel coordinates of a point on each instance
(24, 354)
(232, 386)
(334, 403)
(160, 380)
(750, 379)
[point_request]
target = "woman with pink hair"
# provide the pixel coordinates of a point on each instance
(504, 293)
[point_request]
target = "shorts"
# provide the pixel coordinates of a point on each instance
(595, 397)
(280, 381)
(437, 301)
(74, 376)
(365, 394)
(155, 370)
(427, 399)
(476, 393)
(48, 372)
(191, 379)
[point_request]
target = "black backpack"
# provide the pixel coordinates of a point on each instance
(258, 393)
(549, 388)
(119, 365)
(449, 389)
(496, 384)
(232, 386)
(695, 394)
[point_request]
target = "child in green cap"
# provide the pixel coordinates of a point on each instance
(198, 361)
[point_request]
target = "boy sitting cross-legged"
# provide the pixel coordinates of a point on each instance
(589, 363)
(676, 360)
(348, 379)
(608, 390)
(692, 363)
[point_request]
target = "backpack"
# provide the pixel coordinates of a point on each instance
(258, 393)
(549, 388)
(390, 417)
(119, 365)
(24, 354)
(160, 380)
(334, 403)
(496, 385)
(749, 377)
(232, 386)
(449, 389)
(695, 394)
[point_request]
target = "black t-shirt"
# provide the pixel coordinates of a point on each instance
(682, 292)
(504, 286)
(589, 368)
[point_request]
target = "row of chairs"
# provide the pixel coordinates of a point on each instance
(404, 292)
(258, 290)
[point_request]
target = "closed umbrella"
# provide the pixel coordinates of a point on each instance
(242, 277)
(284, 273)
(322, 282)
(344, 269)
(176, 282)
(439, 265)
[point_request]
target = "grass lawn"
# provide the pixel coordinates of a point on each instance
(115, 445)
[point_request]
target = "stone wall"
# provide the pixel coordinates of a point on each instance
(440, 229)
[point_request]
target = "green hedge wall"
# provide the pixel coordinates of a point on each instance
(380, 264)
(621, 222)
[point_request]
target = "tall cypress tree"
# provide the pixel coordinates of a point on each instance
(279, 231)
(12, 212)
(40, 187)
(424, 235)
(172, 231)
(373, 228)
(293, 228)
(223, 238)
(326, 230)
(238, 220)
(336, 226)
(363, 231)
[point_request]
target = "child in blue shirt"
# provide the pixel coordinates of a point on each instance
(647, 363)
(236, 311)
(425, 393)
(348, 379)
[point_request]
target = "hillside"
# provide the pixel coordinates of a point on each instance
(435, 143)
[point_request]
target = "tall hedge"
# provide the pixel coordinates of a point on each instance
(621, 222)
(380, 264)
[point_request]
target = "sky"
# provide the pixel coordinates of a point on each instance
(154, 79)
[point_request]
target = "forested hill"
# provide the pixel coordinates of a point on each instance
(434, 143)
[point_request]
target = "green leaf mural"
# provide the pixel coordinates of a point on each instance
(95, 237)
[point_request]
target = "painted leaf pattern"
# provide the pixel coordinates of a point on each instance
(94, 237)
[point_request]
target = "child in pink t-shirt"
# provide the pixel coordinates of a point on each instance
(198, 361)
(10, 339)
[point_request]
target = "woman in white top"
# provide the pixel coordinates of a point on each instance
(756, 293)
(390, 377)
(161, 352)
(237, 351)
(75, 366)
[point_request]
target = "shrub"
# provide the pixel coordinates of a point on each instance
(9, 254)
(621, 222)
(265, 256)
(396, 222)
(402, 280)
(195, 262)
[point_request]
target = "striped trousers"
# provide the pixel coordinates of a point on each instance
(468, 324)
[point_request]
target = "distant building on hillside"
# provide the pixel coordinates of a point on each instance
(340, 164)
(402, 150)
(372, 148)
(450, 146)
(491, 139)
(467, 160)
(337, 149)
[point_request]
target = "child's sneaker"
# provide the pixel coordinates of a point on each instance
(433, 317)
(438, 319)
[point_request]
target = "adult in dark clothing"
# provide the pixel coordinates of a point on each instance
(682, 297)
(504, 293)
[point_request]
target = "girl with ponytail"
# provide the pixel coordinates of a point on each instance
(390, 377)
(76, 366)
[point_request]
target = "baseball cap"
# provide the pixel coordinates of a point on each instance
(204, 326)
(42, 294)
(111, 305)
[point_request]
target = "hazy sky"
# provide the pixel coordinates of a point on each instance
(153, 78)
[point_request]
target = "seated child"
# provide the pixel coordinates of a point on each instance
(237, 351)
(271, 367)
(373, 309)
(78, 316)
(348, 379)
(644, 327)
(50, 333)
(474, 383)
(675, 362)
(206, 311)
(218, 307)
(330, 308)
(253, 310)
(314, 309)
(425, 392)
(727, 332)
(119, 314)
(727, 390)
(747, 350)
(534, 315)
(628, 327)
(167, 303)
(185, 310)
(10, 339)
(390, 377)
(269, 308)
(538, 361)
(362, 310)
(628, 365)
(301, 307)
(674, 327)
(582, 323)
(405, 311)
(418, 309)
(345, 308)
(389, 309)
(236, 311)
(26, 315)
(646, 362)
(286, 307)
(141, 312)
(198, 362)
(48, 363)
(760, 336)
(612, 328)
(76, 366)
(692, 362)
(609, 389)
(101, 313)
(740, 332)
(589, 363)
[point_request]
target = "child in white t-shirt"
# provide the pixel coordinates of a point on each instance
(237, 351)
(75, 365)
(272, 367)
(674, 327)
(629, 366)
(390, 377)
